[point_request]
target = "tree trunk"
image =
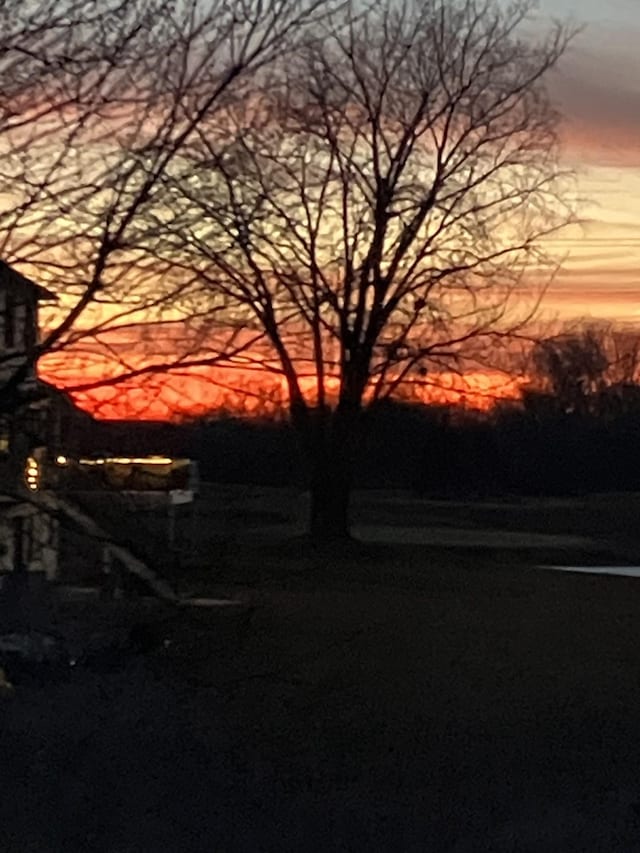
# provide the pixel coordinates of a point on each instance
(330, 498)
(332, 459)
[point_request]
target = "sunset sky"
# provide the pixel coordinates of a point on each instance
(598, 90)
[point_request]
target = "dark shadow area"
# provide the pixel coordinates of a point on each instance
(533, 448)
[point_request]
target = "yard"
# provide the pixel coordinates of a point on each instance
(397, 698)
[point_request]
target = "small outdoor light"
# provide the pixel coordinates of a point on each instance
(32, 474)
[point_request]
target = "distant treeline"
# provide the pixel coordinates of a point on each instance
(537, 448)
(576, 430)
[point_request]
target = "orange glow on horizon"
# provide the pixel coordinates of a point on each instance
(202, 392)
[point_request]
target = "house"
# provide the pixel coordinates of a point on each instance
(28, 532)
(37, 503)
(19, 330)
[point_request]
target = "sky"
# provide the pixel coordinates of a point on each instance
(597, 88)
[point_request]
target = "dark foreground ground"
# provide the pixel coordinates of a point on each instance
(396, 700)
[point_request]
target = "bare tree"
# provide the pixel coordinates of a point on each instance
(99, 100)
(571, 367)
(369, 216)
(587, 367)
(64, 67)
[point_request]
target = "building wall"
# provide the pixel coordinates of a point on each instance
(40, 533)
(23, 307)
(20, 519)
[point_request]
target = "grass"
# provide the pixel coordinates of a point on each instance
(393, 699)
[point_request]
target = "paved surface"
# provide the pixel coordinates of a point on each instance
(618, 571)
(445, 536)
(470, 537)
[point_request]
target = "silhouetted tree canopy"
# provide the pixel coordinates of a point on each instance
(571, 367)
(368, 216)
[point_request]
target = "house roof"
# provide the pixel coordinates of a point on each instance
(10, 277)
